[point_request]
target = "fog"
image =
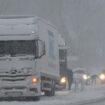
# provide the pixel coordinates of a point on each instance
(85, 20)
(80, 22)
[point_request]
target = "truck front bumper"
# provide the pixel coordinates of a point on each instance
(19, 93)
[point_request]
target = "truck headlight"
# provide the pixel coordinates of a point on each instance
(35, 80)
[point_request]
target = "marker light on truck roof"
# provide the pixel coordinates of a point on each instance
(33, 32)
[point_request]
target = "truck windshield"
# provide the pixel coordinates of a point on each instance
(16, 47)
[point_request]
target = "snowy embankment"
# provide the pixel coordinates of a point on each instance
(89, 94)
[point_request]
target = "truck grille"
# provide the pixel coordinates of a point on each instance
(16, 88)
(14, 79)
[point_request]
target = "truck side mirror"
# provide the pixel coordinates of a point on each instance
(39, 49)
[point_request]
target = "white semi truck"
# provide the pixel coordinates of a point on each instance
(29, 57)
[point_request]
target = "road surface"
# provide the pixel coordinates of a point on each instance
(96, 103)
(101, 103)
(89, 96)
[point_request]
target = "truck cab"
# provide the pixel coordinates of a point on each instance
(19, 50)
(29, 57)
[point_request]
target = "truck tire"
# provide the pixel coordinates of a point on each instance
(52, 92)
(36, 98)
(49, 93)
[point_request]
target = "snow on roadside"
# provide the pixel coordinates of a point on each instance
(67, 97)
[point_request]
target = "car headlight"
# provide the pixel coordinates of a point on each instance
(102, 76)
(63, 80)
(85, 77)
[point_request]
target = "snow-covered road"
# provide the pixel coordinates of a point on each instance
(89, 95)
(99, 103)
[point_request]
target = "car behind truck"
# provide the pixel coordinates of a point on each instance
(29, 57)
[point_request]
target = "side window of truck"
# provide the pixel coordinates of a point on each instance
(51, 44)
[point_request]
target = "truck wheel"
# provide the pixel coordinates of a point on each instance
(34, 98)
(52, 92)
(37, 98)
(47, 93)
(53, 88)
